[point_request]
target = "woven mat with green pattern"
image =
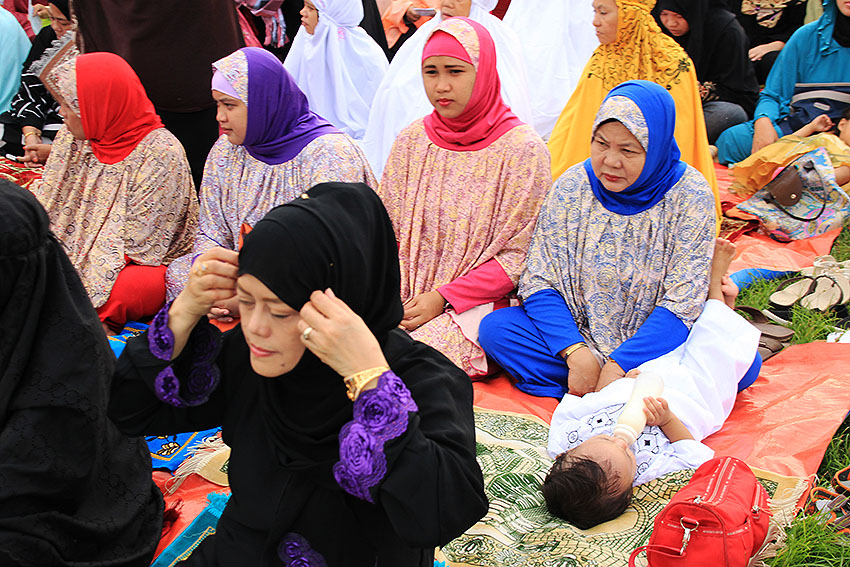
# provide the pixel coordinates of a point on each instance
(518, 530)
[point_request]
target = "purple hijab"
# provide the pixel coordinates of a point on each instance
(280, 122)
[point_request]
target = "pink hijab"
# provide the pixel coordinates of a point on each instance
(486, 117)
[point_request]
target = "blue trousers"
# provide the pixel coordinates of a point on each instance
(511, 339)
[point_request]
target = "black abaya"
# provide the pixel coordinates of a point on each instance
(284, 431)
(73, 490)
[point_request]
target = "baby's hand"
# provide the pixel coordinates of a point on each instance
(657, 411)
(821, 123)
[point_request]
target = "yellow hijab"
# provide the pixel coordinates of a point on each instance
(641, 51)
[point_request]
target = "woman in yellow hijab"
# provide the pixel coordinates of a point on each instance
(632, 46)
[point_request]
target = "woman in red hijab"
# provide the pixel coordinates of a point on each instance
(463, 187)
(117, 187)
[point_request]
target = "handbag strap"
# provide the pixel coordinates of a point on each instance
(772, 200)
(662, 549)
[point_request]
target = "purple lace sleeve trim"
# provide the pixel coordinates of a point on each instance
(295, 551)
(380, 414)
(202, 349)
(160, 337)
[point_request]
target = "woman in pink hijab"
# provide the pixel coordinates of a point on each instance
(463, 187)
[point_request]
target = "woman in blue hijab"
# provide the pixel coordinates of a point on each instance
(618, 266)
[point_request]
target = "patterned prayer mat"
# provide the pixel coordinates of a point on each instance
(518, 530)
(19, 173)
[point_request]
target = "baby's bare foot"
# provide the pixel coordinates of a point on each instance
(718, 288)
(730, 290)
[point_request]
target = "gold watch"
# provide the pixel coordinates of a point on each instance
(355, 382)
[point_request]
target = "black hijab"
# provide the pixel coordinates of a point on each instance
(841, 30)
(73, 490)
(707, 19)
(373, 25)
(338, 237)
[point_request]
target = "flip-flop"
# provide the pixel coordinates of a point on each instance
(768, 347)
(829, 290)
(822, 265)
(841, 481)
(760, 321)
(792, 290)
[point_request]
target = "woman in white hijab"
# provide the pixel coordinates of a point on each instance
(336, 63)
(558, 38)
(401, 97)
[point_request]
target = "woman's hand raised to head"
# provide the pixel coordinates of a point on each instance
(338, 336)
(212, 279)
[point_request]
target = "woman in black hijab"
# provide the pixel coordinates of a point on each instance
(719, 48)
(73, 490)
(382, 481)
(769, 25)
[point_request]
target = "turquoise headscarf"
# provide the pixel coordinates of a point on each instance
(647, 110)
(14, 45)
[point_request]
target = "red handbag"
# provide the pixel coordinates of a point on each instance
(720, 517)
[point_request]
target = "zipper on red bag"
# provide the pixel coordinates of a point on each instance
(714, 484)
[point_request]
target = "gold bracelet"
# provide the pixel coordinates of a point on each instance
(571, 349)
(355, 382)
(28, 134)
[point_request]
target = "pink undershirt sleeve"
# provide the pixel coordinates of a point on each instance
(488, 282)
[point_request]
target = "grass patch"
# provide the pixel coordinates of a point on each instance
(837, 454)
(810, 542)
(757, 294)
(841, 247)
(810, 326)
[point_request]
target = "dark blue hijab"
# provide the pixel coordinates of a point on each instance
(653, 127)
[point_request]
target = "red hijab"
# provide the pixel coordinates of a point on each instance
(114, 108)
(486, 116)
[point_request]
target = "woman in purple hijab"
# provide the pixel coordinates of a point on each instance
(272, 149)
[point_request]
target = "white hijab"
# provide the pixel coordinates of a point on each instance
(401, 98)
(339, 67)
(558, 38)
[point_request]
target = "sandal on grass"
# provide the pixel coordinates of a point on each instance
(829, 290)
(768, 347)
(822, 265)
(841, 481)
(832, 508)
(792, 290)
(760, 321)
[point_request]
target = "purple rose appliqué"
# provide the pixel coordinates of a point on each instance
(202, 349)
(295, 551)
(160, 337)
(380, 414)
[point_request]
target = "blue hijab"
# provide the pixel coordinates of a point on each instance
(647, 110)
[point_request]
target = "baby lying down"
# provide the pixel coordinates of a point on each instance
(591, 479)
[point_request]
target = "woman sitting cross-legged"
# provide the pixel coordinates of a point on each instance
(618, 268)
(117, 186)
(273, 148)
(380, 476)
(463, 187)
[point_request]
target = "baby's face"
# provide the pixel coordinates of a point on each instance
(612, 453)
(844, 130)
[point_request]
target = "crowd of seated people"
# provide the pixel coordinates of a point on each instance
(328, 248)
